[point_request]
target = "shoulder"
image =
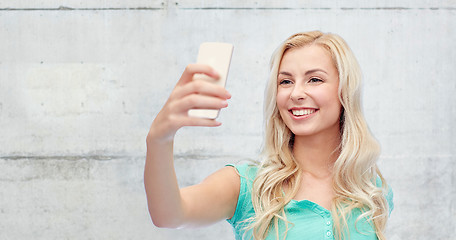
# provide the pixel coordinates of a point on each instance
(246, 174)
(247, 171)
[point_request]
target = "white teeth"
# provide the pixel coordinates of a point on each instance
(302, 112)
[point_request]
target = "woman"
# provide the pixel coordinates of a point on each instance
(318, 178)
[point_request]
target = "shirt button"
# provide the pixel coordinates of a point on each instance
(328, 223)
(328, 233)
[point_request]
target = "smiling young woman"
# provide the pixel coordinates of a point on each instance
(330, 161)
(318, 177)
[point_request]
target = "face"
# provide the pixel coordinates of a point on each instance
(307, 91)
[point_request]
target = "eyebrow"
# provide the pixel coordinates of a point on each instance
(307, 73)
(285, 73)
(316, 70)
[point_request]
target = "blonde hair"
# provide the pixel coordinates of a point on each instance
(355, 170)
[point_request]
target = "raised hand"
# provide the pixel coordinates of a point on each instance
(189, 94)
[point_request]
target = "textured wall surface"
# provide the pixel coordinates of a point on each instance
(81, 82)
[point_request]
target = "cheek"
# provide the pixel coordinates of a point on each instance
(329, 98)
(281, 99)
(335, 105)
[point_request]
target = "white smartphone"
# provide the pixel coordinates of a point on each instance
(218, 56)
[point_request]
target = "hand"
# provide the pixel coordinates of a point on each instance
(186, 95)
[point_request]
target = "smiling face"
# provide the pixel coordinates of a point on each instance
(307, 91)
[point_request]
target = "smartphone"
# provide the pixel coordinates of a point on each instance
(218, 56)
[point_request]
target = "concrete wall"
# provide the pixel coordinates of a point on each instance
(81, 82)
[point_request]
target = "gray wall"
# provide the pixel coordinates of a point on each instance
(81, 82)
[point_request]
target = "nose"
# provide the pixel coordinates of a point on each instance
(299, 93)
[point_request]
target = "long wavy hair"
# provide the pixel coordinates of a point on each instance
(355, 170)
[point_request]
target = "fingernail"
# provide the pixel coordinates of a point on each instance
(225, 103)
(216, 75)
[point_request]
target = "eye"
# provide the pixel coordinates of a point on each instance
(315, 80)
(285, 82)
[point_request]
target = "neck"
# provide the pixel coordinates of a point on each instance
(316, 154)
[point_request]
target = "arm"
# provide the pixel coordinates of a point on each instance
(213, 199)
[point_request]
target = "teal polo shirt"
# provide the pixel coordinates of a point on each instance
(308, 219)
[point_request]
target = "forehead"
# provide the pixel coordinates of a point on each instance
(306, 58)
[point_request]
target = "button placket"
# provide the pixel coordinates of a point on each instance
(328, 233)
(328, 222)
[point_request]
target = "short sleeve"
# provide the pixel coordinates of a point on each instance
(247, 175)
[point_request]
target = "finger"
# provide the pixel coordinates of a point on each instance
(192, 69)
(201, 122)
(195, 101)
(203, 88)
(167, 126)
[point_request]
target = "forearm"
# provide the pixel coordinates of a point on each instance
(166, 205)
(163, 195)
